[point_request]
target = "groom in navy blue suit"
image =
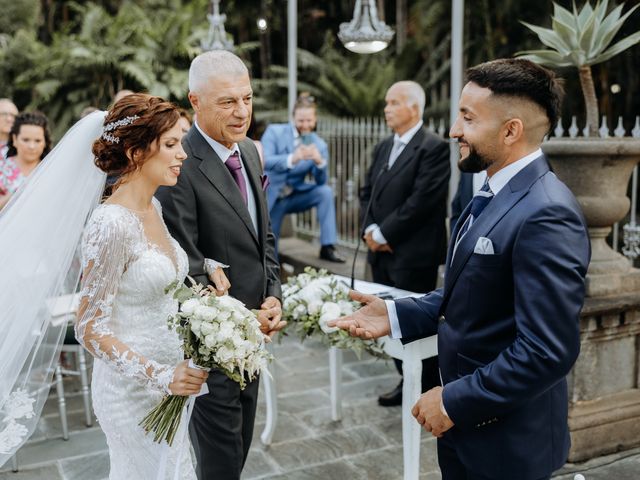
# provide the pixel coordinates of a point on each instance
(507, 317)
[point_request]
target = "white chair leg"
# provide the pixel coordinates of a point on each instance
(84, 382)
(14, 463)
(335, 374)
(62, 403)
(269, 382)
(412, 383)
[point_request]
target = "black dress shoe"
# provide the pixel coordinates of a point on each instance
(392, 398)
(329, 253)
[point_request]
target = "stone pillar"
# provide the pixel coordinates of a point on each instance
(604, 393)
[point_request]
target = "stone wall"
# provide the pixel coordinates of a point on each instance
(604, 394)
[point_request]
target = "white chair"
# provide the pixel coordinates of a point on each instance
(63, 311)
(411, 355)
(80, 370)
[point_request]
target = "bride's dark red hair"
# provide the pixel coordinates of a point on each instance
(155, 117)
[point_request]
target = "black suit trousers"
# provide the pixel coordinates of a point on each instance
(216, 421)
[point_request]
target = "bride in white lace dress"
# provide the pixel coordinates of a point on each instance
(129, 260)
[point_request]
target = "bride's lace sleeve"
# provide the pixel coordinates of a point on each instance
(105, 250)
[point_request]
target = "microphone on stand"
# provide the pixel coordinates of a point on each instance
(384, 168)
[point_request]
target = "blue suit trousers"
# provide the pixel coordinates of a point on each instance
(319, 196)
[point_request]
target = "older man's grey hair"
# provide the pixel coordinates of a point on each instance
(212, 64)
(414, 93)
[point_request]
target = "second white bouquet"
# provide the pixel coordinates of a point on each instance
(314, 297)
(217, 332)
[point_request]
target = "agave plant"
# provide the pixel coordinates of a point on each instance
(581, 39)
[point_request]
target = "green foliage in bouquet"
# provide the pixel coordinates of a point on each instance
(217, 332)
(313, 298)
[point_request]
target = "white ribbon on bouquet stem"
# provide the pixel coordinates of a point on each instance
(184, 422)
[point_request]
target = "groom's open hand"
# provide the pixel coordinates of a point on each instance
(429, 414)
(270, 316)
(371, 321)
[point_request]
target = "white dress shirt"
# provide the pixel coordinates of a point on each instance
(496, 183)
(399, 142)
(478, 181)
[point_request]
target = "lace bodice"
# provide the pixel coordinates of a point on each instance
(125, 300)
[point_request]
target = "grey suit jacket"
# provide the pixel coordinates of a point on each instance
(206, 214)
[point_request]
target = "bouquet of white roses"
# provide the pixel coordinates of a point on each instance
(311, 299)
(217, 332)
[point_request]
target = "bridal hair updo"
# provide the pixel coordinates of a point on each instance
(133, 124)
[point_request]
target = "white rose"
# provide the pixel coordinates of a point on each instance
(346, 307)
(210, 341)
(330, 311)
(298, 311)
(188, 306)
(206, 328)
(314, 307)
(195, 327)
(230, 303)
(224, 354)
(310, 294)
(238, 317)
(205, 313)
(226, 330)
(288, 302)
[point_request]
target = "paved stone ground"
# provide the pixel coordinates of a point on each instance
(366, 444)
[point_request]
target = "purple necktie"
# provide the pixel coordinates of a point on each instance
(235, 168)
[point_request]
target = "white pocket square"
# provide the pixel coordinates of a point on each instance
(483, 246)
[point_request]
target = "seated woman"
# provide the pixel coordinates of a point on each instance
(29, 143)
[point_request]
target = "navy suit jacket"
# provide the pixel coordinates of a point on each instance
(508, 327)
(278, 143)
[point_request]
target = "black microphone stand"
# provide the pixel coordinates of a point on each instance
(384, 168)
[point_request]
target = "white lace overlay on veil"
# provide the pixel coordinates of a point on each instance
(40, 229)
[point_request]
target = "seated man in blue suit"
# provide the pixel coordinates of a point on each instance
(507, 317)
(291, 153)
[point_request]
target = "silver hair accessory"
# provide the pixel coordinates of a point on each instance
(113, 125)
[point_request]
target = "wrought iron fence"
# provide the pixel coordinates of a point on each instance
(351, 142)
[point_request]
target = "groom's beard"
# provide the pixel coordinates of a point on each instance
(474, 162)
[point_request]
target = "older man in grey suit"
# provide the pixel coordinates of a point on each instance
(218, 212)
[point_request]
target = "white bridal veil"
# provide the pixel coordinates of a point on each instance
(40, 232)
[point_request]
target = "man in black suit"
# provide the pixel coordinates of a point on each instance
(218, 213)
(404, 205)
